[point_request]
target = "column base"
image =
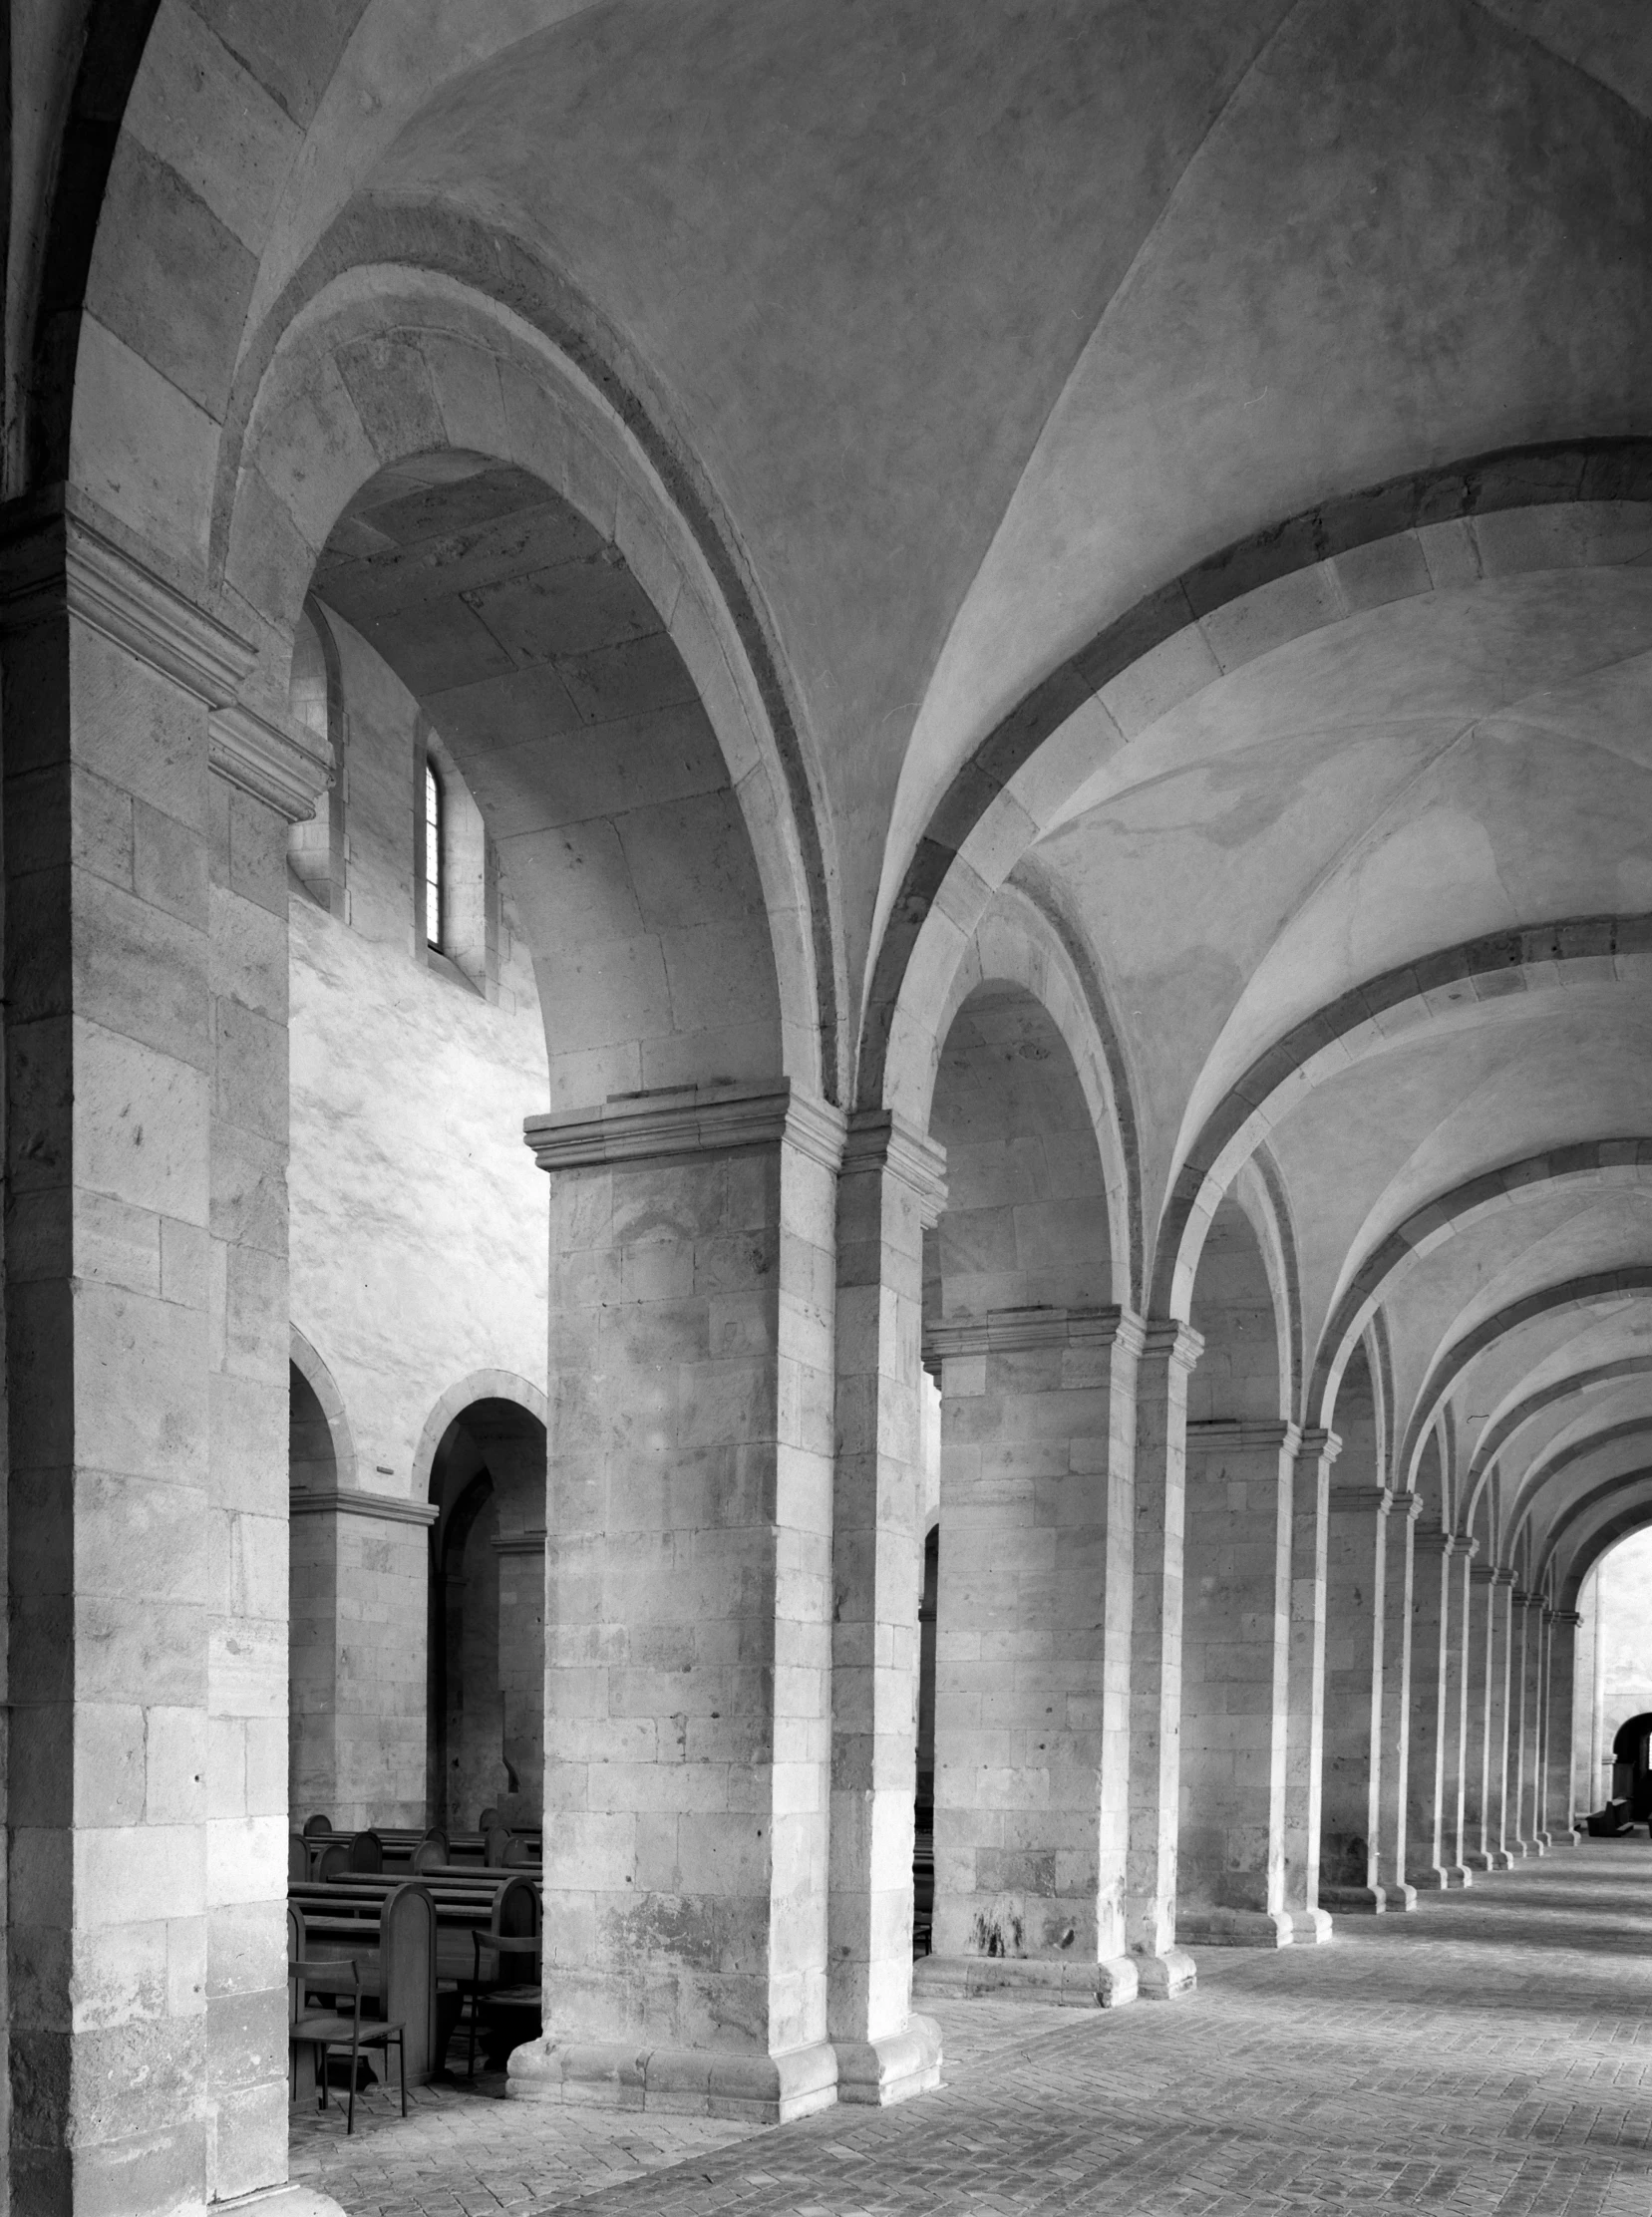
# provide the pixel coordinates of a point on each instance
(875, 2073)
(1440, 1878)
(1359, 1901)
(1545, 1840)
(1105, 1984)
(1490, 1859)
(1521, 1848)
(1311, 1928)
(1235, 1928)
(685, 2082)
(294, 2201)
(1167, 1976)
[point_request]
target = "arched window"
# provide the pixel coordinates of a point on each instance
(433, 919)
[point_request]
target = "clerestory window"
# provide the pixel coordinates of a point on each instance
(435, 920)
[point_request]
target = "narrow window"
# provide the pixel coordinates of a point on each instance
(433, 919)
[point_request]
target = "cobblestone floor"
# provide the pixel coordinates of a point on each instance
(1491, 2054)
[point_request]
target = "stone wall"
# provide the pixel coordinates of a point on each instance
(418, 1240)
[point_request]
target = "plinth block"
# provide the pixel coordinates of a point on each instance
(1167, 1976)
(684, 2082)
(877, 2073)
(1107, 1985)
(1235, 1928)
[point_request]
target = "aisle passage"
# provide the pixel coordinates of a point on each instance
(1492, 2053)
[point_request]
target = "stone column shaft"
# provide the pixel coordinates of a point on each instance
(1499, 1694)
(1526, 1673)
(689, 1603)
(890, 1188)
(1543, 1828)
(1431, 1688)
(1038, 1445)
(1235, 1684)
(1355, 1659)
(1170, 1350)
(1562, 1695)
(1455, 1734)
(1477, 1763)
(1316, 1452)
(146, 962)
(1393, 1793)
(357, 1683)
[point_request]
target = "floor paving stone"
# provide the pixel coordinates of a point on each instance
(1492, 2053)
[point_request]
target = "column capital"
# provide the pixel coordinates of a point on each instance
(674, 1123)
(355, 1500)
(519, 1543)
(60, 553)
(1467, 1546)
(278, 765)
(1009, 1331)
(1317, 1440)
(1351, 1499)
(1244, 1432)
(1167, 1339)
(1524, 1600)
(1501, 1575)
(1410, 1504)
(1484, 1574)
(1433, 1539)
(882, 1139)
(1572, 1617)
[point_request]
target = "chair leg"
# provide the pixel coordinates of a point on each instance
(401, 2067)
(321, 2075)
(475, 2011)
(350, 2114)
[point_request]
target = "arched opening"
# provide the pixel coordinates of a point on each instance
(312, 1608)
(487, 1617)
(1235, 1603)
(1017, 1321)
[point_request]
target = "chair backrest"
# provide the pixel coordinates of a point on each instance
(327, 1973)
(516, 1907)
(430, 1855)
(295, 1951)
(438, 1834)
(334, 1860)
(367, 1852)
(522, 1853)
(299, 1857)
(487, 1821)
(510, 1950)
(496, 1845)
(317, 1823)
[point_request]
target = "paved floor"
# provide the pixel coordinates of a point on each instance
(1492, 2053)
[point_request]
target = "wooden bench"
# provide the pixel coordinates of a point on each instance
(464, 1900)
(393, 1933)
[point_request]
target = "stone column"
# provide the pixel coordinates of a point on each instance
(1356, 1610)
(1500, 1813)
(1524, 1667)
(1170, 1350)
(1038, 1449)
(1599, 1777)
(688, 1603)
(146, 967)
(1431, 1623)
(1563, 1690)
(1455, 1722)
(521, 1572)
(1542, 1829)
(360, 1585)
(889, 1190)
(1477, 1760)
(1316, 1452)
(1235, 1658)
(1393, 1782)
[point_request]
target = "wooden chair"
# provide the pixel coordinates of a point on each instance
(322, 2031)
(499, 1996)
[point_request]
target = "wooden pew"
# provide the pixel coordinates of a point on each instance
(463, 1900)
(393, 1934)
